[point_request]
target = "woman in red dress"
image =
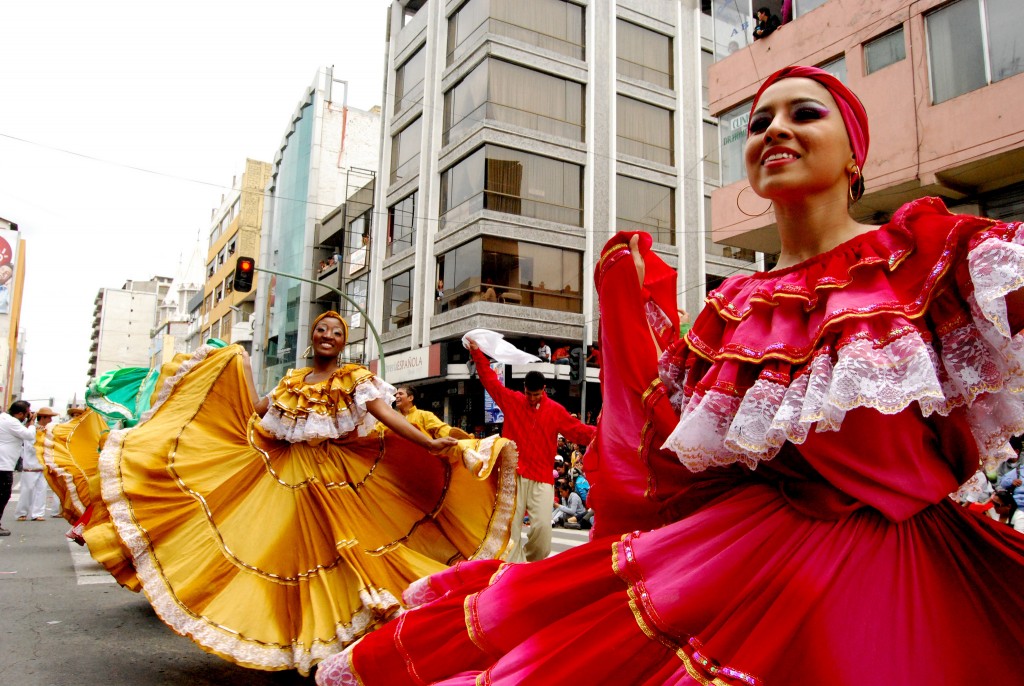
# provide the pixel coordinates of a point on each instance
(796, 450)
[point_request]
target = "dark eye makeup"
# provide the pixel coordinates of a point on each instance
(801, 111)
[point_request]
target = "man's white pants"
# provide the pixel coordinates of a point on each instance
(538, 498)
(32, 501)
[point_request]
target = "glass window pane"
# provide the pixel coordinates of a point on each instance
(955, 51)
(511, 94)
(398, 302)
(711, 160)
(805, 6)
(499, 270)
(706, 60)
(643, 54)
(836, 68)
(409, 80)
(1006, 49)
(554, 25)
(462, 187)
(531, 99)
(464, 103)
(645, 206)
(644, 131)
(732, 127)
(401, 226)
(734, 25)
(529, 185)
(885, 50)
(405, 151)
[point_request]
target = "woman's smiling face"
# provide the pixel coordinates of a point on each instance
(797, 143)
(328, 337)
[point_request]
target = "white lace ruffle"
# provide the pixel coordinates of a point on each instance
(978, 366)
(338, 670)
(316, 426)
(419, 592)
(997, 269)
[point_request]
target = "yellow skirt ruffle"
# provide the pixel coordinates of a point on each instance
(275, 555)
(71, 455)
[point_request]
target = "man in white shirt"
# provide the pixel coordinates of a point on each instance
(13, 434)
(544, 351)
(32, 501)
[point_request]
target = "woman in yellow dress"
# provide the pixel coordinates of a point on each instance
(276, 531)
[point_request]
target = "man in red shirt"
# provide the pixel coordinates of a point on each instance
(533, 421)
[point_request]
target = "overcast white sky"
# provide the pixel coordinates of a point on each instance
(184, 88)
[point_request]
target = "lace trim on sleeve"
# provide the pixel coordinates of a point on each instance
(719, 428)
(997, 269)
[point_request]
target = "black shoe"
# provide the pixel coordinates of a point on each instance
(4, 532)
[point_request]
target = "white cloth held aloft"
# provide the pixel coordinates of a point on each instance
(497, 348)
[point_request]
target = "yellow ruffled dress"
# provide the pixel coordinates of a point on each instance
(275, 543)
(71, 455)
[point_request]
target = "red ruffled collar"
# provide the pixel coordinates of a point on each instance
(785, 314)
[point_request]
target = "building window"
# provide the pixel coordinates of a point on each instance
(958, 35)
(514, 95)
(220, 257)
(211, 269)
(644, 206)
(358, 240)
(706, 60)
(732, 128)
(836, 67)
(397, 302)
(554, 25)
(229, 282)
(401, 226)
(644, 131)
(712, 164)
(405, 151)
(643, 54)
(884, 50)
(805, 6)
(513, 182)
(733, 25)
(356, 289)
(491, 269)
(409, 80)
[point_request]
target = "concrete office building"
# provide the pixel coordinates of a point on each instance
(324, 139)
(938, 80)
(518, 136)
(123, 323)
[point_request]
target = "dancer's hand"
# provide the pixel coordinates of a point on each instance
(638, 260)
(439, 445)
(473, 345)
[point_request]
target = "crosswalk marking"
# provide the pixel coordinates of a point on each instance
(87, 570)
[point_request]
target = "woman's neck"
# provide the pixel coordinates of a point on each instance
(812, 225)
(324, 365)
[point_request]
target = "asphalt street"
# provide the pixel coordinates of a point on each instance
(64, 620)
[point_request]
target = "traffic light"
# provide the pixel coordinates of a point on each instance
(577, 366)
(245, 267)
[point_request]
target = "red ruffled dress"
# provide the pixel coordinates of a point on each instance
(817, 417)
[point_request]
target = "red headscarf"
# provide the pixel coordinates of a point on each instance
(850, 108)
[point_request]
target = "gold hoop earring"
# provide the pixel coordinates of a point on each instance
(856, 184)
(307, 353)
(758, 214)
